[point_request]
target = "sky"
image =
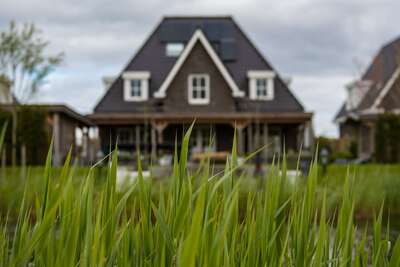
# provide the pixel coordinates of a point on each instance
(321, 44)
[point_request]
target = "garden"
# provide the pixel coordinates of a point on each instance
(74, 216)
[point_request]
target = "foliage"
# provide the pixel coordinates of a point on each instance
(332, 146)
(32, 133)
(198, 220)
(387, 146)
(23, 59)
(373, 184)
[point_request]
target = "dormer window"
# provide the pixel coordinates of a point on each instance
(173, 49)
(136, 88)
(261, 88)
(261, 85)
(136, 85)
(199, 89)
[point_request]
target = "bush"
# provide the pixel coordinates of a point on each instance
(387, 135)
(31, 132)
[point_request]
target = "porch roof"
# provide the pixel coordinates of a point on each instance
(231, 117)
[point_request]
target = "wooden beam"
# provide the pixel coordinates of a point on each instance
(265, 142)
(56, 139)
(250, 144)
(159, 127)
(153, 143)
(257, 135)
(137, 137)
(239, 127)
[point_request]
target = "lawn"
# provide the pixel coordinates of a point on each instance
(76, 217)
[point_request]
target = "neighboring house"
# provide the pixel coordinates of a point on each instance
(63, 123)
(376, 92)
(204, 69)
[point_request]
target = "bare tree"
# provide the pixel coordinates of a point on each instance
(25, 63)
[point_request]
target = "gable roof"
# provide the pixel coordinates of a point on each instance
(382, 72)
(218, 31)
(198, 36)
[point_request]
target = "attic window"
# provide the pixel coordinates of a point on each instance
(261, 85)
(173, 49)
(136, 85)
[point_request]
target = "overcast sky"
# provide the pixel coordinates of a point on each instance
(321, 44)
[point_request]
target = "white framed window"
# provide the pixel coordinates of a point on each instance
(173, 49)
(261, 85)
(136, 85)
(199, 89)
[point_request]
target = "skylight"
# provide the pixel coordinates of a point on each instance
(173, 49)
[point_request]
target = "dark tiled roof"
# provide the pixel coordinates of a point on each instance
(57, 108)
(379, 72)
(219, 31)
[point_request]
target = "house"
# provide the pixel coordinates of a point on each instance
(202, 69)
(376, 92)
(62, 123)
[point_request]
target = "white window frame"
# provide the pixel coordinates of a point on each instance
(198, 101)
(255, 75)
(128, 77)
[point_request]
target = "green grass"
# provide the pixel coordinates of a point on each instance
(373, 184)
(194, 219)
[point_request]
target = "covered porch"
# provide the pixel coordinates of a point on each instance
(156, 135)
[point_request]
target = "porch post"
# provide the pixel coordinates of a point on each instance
(153, 143)
(307, 135)
(159, 127)
(371, 138)
(265, 141)
(85, 144)
(137, 137)
(250, 147)
(257, 135)
(239, 128)
(57, 139)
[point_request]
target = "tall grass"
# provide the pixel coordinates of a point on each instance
(199, 219)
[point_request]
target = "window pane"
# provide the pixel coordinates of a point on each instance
(194, 82)
(194, 93)
(203, 94)
(136, 88)
(261, 87)
(173, 49)
(202, 81)
(261, 82)
(136, 83)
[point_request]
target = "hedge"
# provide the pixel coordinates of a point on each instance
(31, 132)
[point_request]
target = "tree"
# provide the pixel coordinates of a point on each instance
(25, 63)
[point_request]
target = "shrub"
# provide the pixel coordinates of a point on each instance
(31, 133)
(387, 134)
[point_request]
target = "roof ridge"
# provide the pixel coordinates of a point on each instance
(391, 42)
(198, 17)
